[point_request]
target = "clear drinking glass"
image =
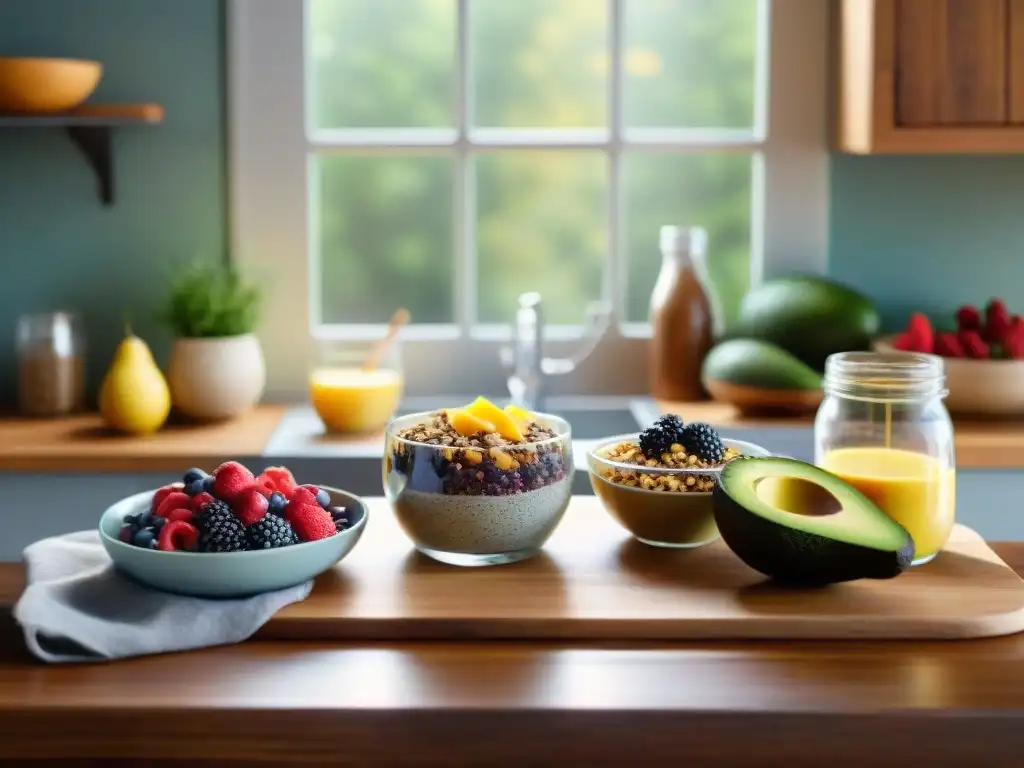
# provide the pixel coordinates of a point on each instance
(348, 398)
(51, 367)
(884, 429)
(478, 505)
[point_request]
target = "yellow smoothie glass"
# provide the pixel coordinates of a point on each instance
(349, 399)
(883, 428)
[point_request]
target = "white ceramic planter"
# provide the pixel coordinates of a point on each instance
(213, 379)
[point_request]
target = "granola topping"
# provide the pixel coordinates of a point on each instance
(675, 457)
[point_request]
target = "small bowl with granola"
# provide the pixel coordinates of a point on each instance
(478, 485)
(658, 484)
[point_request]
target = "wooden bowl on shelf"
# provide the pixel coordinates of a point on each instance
(977, 387)
(31, 85)
(761, 401)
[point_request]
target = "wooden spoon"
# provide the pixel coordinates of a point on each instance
(400, 318)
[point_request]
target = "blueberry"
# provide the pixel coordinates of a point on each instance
(148, 520)
(208, 483)
(323, 498)
(132, 519)
(277, 503)
(193, 474)
(158, 523)
(195, 486)
(126, 534)
(337, 512)
(153, 544)
(144, 538)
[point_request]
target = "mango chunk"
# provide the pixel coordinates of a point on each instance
(521, 417)
(466, 424)
(503, 423)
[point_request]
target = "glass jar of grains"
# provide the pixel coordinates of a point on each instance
(51, 366)
(884, 429)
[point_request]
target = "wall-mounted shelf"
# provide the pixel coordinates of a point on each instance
(91, 129)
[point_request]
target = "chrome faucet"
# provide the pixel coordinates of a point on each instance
(528, 368)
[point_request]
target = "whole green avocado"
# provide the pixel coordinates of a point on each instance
(809, 317)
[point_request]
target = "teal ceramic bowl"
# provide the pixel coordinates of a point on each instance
(229, 574)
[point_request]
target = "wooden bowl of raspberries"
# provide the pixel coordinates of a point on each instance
(983, 352)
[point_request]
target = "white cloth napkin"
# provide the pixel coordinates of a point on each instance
(76, 607)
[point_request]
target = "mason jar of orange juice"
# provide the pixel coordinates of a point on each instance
(884, 429)
(355, 385)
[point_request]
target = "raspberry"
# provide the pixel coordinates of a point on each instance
(178, 535)
(180, 514)
(230, 480)
(973, 345)
(968, 318)
(310, 521)
(173, 500)
(163, 493)
(948, 345)
(200, 500)
(278, 479)
(997, 321)
(251, 506)
(921, 335)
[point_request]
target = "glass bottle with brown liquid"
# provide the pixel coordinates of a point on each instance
(681, 316)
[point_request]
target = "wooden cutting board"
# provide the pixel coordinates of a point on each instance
(594, 582)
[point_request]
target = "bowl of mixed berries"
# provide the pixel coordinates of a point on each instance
(982, 353)
(230, 533)
(657, 484)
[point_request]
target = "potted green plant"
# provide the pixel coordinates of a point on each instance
(217, 370)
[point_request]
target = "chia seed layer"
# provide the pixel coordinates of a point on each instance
(480, 524)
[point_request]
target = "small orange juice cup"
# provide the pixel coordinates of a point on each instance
(349, 399)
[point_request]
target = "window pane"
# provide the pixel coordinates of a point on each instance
(540, 227)
(385, 63)
(712, 191)
(385, 238)
(690, 63)
(539, 63)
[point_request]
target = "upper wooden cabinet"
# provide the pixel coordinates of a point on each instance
(928, 76)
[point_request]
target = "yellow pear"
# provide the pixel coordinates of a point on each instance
(134, 396)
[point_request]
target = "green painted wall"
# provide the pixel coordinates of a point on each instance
(58, 246)
(929, 233)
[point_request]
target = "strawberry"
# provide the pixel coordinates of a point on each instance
(973, 345)
(173, 500)
(323, 498)
(948, 345)
(903, 342)
(968, 318)
(310, 521)
(163, 493)
(922, 337)
(178, 535)
(997, 321)
(278, 479)
(180, 514)
(230, 480)
(251, 506)
(303, 495)
(200, 500)
(1013, 341)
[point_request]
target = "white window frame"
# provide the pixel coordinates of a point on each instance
(273, 207)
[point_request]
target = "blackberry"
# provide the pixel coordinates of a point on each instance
(657, 438)
(270, 533)
(219, 529)
(703, 441)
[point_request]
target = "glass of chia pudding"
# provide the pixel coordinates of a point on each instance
(478, 485)
(657, 485)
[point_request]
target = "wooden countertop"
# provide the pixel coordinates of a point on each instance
(515, 704)
(82, 444)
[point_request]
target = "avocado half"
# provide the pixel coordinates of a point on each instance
(798, 524)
